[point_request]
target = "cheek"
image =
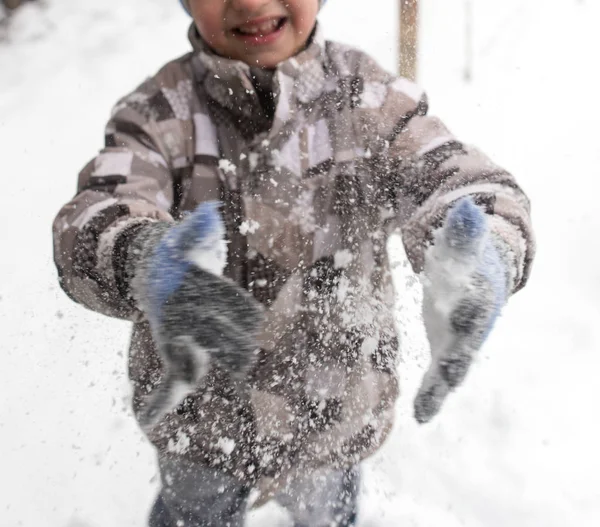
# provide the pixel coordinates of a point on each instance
(208, 16)
(304, 13)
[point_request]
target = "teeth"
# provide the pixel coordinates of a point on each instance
(260, 29)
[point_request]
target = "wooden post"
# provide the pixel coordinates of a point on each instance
(469, 44)
(409, 36)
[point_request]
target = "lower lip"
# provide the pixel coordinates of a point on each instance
(261, 40)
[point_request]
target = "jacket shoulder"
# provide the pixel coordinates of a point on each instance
(165, 95)
(174, 72)
(347, 60)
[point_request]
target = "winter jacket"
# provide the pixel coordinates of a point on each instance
(316, 164)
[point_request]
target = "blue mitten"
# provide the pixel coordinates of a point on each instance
(196, 315)
(465, 286)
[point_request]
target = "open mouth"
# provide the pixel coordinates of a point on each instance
(260, 29)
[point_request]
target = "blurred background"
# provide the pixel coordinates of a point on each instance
(517, 445)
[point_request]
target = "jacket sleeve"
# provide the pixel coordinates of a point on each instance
(426, 169)
(128, 184)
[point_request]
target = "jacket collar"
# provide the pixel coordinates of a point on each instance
(296, 81)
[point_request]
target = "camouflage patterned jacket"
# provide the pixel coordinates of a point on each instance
(316, 164)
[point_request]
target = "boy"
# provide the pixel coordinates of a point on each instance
(316, 155)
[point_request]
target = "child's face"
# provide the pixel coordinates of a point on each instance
(260, 33)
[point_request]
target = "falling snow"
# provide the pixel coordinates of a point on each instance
(516, 446)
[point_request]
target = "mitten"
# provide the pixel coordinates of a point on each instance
(197, 316)
(465, 286)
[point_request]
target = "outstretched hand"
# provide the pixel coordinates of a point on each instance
(465, 287)
(197, 317)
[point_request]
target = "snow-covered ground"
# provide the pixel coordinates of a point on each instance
(516, 446)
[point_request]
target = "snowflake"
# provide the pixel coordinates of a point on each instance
(181, 444)
(249, 227)
(226, 445)
(342, 259)
(227, 166)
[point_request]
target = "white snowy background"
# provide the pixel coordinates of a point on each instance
(516, 446)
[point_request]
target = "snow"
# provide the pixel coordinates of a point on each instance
(227, 166)
(517, 445)
(342, 259)
(249, 227)
(226, 444)
(180, 445)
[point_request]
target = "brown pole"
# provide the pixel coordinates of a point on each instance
(468, 74)
(409, 33)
